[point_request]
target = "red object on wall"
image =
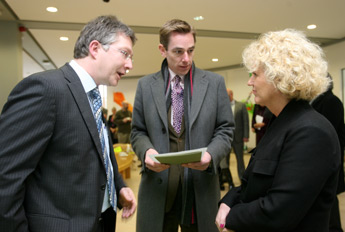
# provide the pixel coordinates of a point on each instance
(22, 29)
(119, 98)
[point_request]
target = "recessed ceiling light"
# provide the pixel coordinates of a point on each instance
(198, 18)
(215, 59)
(46, 62)
(311, 26)
(52, 9)
(64, 38)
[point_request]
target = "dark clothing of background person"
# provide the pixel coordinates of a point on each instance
(123, 128)
(266, 114)
(112, 124)
(241, 134)
(332, 108)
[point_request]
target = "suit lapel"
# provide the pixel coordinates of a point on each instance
(83, 104)
(200, 84)
(158, 94)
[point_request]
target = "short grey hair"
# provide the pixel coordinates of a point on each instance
(105, 30)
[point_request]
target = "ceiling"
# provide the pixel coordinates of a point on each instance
(228, 26)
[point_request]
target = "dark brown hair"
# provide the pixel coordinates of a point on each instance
(174, 25)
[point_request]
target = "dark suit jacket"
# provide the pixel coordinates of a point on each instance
(52, 176)
(241, 123)
(332, 108)
(290, 182)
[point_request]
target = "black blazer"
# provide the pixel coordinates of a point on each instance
(291, 179)
(52, 176)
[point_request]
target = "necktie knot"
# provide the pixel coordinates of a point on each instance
(96, 98)
(177, 79)
(177, 85)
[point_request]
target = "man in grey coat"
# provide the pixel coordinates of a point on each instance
(184, 195)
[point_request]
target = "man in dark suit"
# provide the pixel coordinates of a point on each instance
(53, 156)
(241, 133)
(180, 108)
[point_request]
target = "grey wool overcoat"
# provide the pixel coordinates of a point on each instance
(210, 125)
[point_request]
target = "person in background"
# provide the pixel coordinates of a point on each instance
(180, 108)
(332, 108)
(291, 179)
(105, 113)
(260, 121)
(123, 120)
(225, 174)
(57, 172)
(241, 133)
(112, 125)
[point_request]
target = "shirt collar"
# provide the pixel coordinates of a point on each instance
(172, 75)
(85, 78)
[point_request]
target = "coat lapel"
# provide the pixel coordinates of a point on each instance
(200, 84)
(83, 104)
(158, 94)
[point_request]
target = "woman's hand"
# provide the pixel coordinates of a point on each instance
(223, 212)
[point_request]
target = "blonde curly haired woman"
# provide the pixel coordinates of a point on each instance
(290, 182)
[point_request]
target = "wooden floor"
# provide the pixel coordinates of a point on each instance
(133, 182)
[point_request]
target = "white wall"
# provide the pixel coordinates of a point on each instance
(335, 55)
(10, 59)
(127, 87)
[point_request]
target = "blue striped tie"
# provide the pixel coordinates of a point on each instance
(97, 112)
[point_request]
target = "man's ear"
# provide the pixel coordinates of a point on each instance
(94, 47)
(162, 50)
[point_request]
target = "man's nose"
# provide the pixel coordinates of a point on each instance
(186, 56)
(129, 64)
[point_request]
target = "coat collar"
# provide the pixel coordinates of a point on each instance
(158, 93)
(159, 85)
(200, 84)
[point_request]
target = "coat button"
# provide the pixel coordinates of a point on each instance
(100, 219)
(163, 130)
(159, 180)
(103, 187)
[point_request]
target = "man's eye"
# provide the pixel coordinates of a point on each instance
(178, 52)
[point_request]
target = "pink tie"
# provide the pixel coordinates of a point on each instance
(177, 104)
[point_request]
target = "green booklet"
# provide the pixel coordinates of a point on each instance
(181, 157)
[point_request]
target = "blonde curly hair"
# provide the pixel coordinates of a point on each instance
(295, 65)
